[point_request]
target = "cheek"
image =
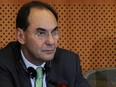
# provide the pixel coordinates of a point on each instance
(34, 47)
(34, 43)
(37, 44)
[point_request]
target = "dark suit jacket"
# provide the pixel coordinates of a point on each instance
(64, 68)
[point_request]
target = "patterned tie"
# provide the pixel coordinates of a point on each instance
(39, 79)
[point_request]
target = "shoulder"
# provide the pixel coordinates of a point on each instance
(66, 55)
(7, 50)
(65, 52)
(7, 54)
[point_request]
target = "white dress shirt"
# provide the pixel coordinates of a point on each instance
(29, 64)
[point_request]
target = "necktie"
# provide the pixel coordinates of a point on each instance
(39, 79)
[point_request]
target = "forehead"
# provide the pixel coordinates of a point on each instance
(41, 18)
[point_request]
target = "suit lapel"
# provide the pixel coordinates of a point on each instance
(24, 78)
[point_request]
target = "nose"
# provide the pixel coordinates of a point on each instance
(50, 40)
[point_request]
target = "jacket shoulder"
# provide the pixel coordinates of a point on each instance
(9, 52)
(64, 54)
(62, 50)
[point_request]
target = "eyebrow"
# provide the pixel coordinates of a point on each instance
(56, 28)
(42, 29)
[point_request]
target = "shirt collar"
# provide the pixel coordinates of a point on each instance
(29, 64)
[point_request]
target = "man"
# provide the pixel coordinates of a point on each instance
(36, 46)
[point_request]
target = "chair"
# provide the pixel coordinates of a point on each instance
(103, 77)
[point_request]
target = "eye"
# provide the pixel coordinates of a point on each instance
(41, 33)
(55, 32)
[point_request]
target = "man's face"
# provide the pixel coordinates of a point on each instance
(40, 38)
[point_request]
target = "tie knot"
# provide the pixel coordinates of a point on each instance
(39, 69)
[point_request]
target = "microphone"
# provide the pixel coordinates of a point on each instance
(32, 72)
(58, 84)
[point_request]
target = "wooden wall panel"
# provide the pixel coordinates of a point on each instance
(87, 27)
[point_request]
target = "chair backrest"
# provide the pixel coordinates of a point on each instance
(103, 77)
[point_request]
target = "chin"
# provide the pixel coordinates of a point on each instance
(48, 58)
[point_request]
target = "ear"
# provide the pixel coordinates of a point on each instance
(20, 36)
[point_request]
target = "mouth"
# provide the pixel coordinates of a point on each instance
(48, 51)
